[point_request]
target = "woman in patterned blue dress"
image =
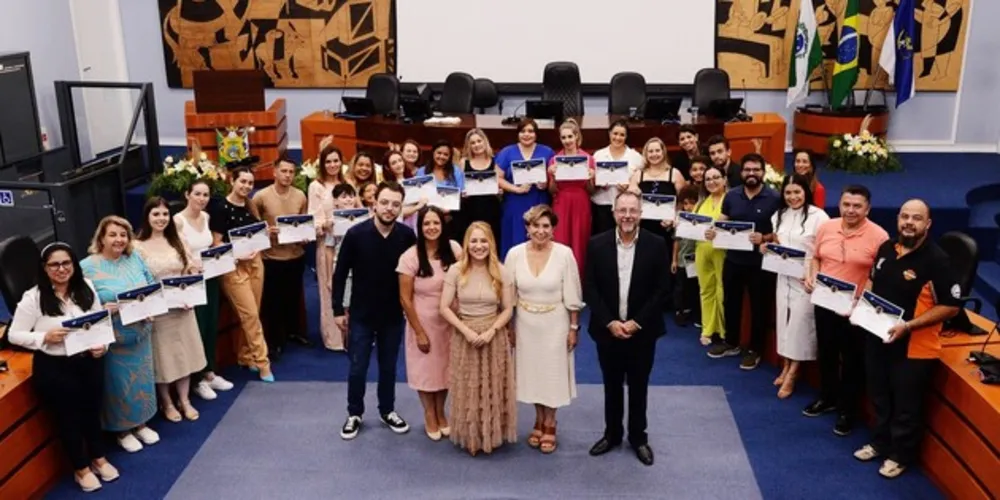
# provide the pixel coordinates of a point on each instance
(129, 390)
(519, 199)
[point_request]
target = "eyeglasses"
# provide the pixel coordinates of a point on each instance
(67, 264)
(627, 211)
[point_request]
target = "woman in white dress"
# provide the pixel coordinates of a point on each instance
(547, 283)
(604, 196)
(795, 225)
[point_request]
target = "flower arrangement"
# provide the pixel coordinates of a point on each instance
(177, 176)
(773, 178)
(308, 172)
(863, 153)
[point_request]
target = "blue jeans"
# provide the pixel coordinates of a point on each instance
(387, 339)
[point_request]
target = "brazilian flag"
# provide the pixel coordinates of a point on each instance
(845, 71)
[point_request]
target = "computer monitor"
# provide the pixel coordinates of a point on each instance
(415, 108)
(545, 110)
(724, 109)
(662, 108)
(358, 106)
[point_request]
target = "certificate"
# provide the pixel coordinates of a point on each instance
(833, 294)
(572, 168)
(877, 315)
(88, 331)
(786, 261)
(528, 171)
(346, 219)
(611, 173)
(692, 226)
(733, 235)
(295, 229)
(184, 292)
(658, 206)
(482, 183)
(217, 261)
(249, 239)
(417, 188)
(689, 267)
(141, 303)
(447, 198)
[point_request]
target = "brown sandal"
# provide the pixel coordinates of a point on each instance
(548, 442)
(535, 439)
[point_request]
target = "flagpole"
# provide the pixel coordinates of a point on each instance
(871, 85)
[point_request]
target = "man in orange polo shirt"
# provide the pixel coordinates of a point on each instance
(845, 250)
(914, 274)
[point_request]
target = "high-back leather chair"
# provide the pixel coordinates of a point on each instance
(709, 84)
(19, 260)
(485, 94)
(383, 90)
(964, 256)
(628, 90)
(561, 82)
(458, 93)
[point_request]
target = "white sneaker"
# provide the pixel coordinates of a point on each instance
(129, 443)
(147, 436)
(220, 384)
(204, 391)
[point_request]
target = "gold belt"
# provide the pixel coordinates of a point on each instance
(536, 308)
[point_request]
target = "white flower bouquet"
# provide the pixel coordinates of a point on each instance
(306, 174)
(177, 177)
(863, 153)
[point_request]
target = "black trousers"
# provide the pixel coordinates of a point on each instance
(841, 347)
(282, 300)
(601, 218)
(738, 279)
(897, 386)
(72, 388)
(687, 293)
(626, 361)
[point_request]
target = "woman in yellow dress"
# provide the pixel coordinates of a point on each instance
(708, 260)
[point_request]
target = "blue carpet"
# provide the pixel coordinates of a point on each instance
(295, 452)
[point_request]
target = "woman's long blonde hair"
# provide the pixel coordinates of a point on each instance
(493, 261)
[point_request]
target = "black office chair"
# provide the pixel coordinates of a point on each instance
(383, 90)
(628, 90)
(561, 82)
(19, 260)
(709, 84)
(458, 93)
(485, 95)
(964, 256)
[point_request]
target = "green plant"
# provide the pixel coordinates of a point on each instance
(178, 176)
(863, 153)
(306, 174)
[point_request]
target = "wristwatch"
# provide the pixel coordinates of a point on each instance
(574, 327)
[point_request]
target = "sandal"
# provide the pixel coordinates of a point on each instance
(548, 443)
(170, 413)
(891, 469)
(787, 385)
(535, 439)
(189, 412)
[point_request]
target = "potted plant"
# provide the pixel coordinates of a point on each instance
(862, 153)
(306, 173)
(178, 175)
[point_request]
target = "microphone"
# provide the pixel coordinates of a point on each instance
(513, 119)
(981, 357)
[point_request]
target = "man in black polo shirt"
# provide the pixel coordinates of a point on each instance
(915, 274)
(741, 272)
(371, 250)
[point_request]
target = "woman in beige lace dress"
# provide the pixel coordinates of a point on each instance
(177, 349)
(483, 400)
(321, 206)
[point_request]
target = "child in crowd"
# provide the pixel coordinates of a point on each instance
(367, 191)
(344, 198)
(686, 290)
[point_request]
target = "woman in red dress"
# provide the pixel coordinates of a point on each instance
(571, 198)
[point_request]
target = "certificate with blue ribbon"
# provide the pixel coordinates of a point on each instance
(347, 218)
(144, 302)
(483, 183)
(611, 173)
(658, 206)
(417, 188)
(692, 226)
(217, 261)
(447, 198)
(295, 228)
(572, 168)
(733, 235)
(528, 171)
(184, 292)
(88, 331)
(876, 314)
(249, 239)
(786, 261)
(833, 294)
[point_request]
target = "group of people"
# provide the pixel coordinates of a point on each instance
(487, 300)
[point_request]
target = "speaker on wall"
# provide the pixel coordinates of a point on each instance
(20, 136)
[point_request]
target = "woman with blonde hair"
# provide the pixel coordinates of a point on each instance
(331, 174)
(477, 157)
(657, 176)
(481, 292)
(571, 198)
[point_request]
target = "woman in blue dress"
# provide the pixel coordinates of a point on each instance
(129, 390)
(519, 199)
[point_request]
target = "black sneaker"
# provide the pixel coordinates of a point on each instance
(395, 422)
(683, 318)
(844, 426)
(301, 340)
(818, 407)
(351, 427)
(723, 350)
(750, 360)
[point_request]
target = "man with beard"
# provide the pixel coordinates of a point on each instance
(721, 155)
(371, 251)
(741, 272)
(915, 274)
(625, 320)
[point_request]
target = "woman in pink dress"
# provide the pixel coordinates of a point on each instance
(571, 198)
(321, 207)
(428, 335)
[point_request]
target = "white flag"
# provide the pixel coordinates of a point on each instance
(806, 53)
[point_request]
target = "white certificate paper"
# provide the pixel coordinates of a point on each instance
(833, 294)
(611, 173)
(692, 226)
(529, 171)
(88, 331)
(447, 198)
(217, 261)
(786, 261)
(140, 303)
(733, 235)
(658, 206)
(481, 183)
(689, 266)
(295, 229)
(417, 188)
(249, 239)
(877, 315)
(346, 219)
(185, 292)
(572, 168)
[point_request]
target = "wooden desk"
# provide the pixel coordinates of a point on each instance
(268, 140)
(373, 134)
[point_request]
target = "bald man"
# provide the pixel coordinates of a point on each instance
(915, 274)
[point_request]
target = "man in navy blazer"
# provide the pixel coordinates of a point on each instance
(625, 285)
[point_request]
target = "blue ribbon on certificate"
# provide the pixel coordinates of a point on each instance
(660, 199)
(786, 252)
(182, 282)
(86, 321)
(293, 220)
(734, 227)
(695, 219)
(611, 165)
(527, 165)
(247, 231)
(881, 305)
(417, 182)
(835, 284)
(216, 252)
(351, 213)
(571, 160)
(480, 176)
(139, 294)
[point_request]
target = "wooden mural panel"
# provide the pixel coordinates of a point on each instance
(297, 43)
(754, 40)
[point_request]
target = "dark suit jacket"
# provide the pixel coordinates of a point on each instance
(647, 289)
